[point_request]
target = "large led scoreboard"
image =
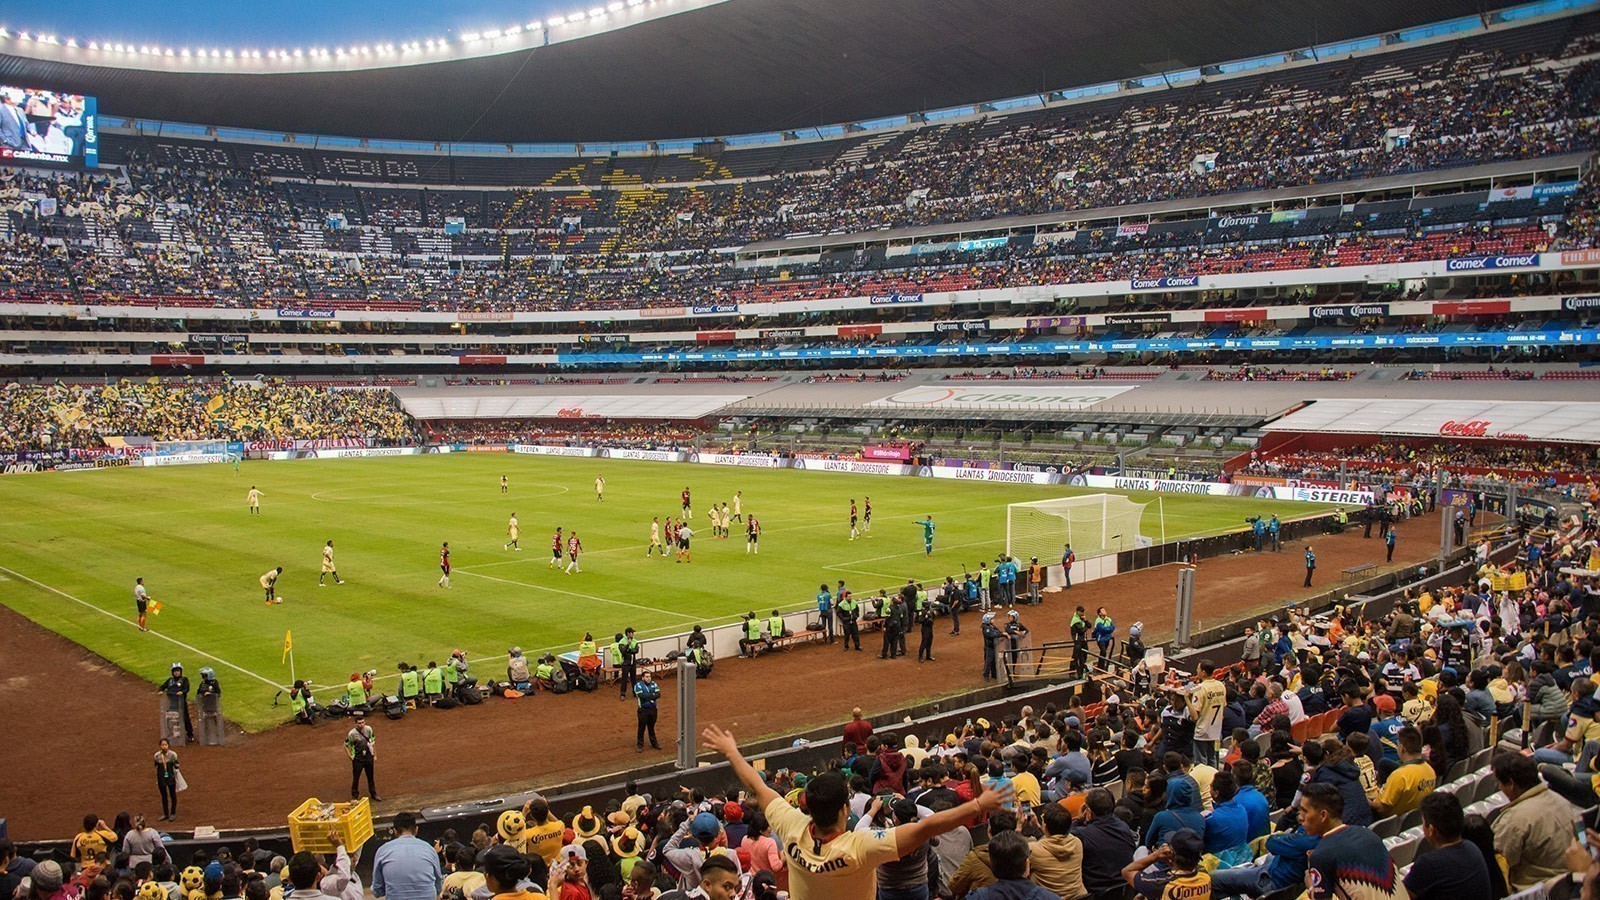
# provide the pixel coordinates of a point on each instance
(43, 127)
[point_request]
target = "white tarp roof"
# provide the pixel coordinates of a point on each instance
(573, 406)
(1526, 420)
(1003, 395)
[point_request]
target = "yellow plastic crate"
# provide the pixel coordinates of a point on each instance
(310, 823)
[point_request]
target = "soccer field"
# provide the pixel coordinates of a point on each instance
(75, 542)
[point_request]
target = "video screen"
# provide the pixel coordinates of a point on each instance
(39, 126)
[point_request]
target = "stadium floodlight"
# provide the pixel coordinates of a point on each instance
(72, 42)
(23, 36)
(93, 45)
(169, 52)
(1094, 524)
(616, 6)
(598, 12)
(555, 20)
(513, 30)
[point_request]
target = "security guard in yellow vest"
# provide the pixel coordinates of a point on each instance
(775, 625)
(625, 658)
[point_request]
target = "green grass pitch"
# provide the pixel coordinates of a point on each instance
(74, 542)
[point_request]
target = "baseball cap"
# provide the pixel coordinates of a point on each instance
(1186, 842)
(574, 851)
(705, 827)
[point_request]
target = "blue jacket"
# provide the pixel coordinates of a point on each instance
(1290, 851)
(1104, 630)
(1256, 808)
(1227, 827)
(1183, 811)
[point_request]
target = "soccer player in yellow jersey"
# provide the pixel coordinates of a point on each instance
(328, 567)
(513, 531)
(655, 539)
(600, 488)
(254, 499)
(505, 485)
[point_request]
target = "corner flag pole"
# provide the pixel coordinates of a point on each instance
(288, 653)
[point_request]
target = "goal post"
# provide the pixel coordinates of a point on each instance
(1094, 524)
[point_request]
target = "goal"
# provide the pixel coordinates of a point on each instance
(1094, 524)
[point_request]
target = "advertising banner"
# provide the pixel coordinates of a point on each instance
(1324, 495)
(893, 299)
(354, 452)
(1236, 315)
(1349, 311)
(854, 466)
(652, 455)
(181, 459)
(753, 460)
(846, 331)
(1479, 263)
(715, 309)
(1009, 476)
(543, 450)
(966, 325)
(292, 313)
(1170, 281)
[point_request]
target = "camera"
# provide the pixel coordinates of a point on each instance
(1252, 519)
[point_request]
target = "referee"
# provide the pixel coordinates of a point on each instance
(648, 694)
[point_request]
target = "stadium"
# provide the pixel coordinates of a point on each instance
(542, 395)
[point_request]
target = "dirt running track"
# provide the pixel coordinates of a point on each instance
(80, 732)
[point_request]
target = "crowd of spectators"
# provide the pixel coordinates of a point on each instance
(183, 234)
(83, 416)
(1441, 461)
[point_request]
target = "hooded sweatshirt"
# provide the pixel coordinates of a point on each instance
(889, 774)
(1057, 865)
(1183, 811)
(1345, 776)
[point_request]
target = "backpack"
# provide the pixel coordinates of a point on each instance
(469, 695)
(446, 701)
(559, 683)
(587, 682)
(394, 707)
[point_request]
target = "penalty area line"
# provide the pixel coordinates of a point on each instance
(111, 615)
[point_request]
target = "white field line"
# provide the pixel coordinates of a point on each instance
(169, 638)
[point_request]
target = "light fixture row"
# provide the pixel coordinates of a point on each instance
(353, 51)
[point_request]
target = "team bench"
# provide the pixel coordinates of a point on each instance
(1359, 570)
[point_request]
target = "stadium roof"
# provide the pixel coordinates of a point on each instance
(1490, 419)
(737, 67)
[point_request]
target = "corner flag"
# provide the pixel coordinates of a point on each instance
(288, 646)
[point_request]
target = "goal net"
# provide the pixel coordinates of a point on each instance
(1095, 525)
